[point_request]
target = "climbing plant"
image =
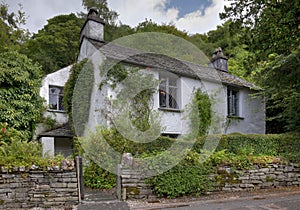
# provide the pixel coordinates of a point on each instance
(69, 87)
(200, 113)
(135, 92)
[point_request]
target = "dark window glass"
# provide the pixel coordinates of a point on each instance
(232, 102)
(55, 98)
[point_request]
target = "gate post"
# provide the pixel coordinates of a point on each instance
(78, 160)
(119, 182)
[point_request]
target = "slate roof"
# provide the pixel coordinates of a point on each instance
(184, 68)
(63, 131)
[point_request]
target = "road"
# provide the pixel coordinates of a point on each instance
(287, 200)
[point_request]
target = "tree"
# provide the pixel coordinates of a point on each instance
(109, 16)
(282, 81)
(20, 81)
(11, 33)
(56, 45)
(271, 26)
(271, 29)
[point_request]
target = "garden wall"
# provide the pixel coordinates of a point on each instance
(225, 179)
(57, 186)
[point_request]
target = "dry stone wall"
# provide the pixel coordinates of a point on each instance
(226, 179)
(36, 188)
(273, 176)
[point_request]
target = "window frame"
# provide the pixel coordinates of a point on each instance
(233, 102)
(166, 87)
(59, 98)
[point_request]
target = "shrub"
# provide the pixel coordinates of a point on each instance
(20, 102)
(16, 150)
(97, 178)
(181, 180)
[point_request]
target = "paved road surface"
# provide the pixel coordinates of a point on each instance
(286, 200)
(290, 202)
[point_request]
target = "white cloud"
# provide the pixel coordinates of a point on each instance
(133, 12)
(196, 23)
(39, 11)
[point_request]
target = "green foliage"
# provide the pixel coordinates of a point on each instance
(20, 103)
(200, 113)
(56, 45)
(69, 87)
(283, 145)
(15, 151)
(270, 29)
(108, 15)
(181, 180)
(282, 91)
(49, 122)
(9, 134)
(97, 178)
(79, 86)
(272, 26)
(11, 33)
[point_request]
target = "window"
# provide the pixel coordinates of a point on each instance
(55, 98)
(233, 102)
(168, 95)
(170, 135)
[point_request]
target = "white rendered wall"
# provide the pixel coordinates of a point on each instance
(48, 146)
(252, 113)
(58, 78)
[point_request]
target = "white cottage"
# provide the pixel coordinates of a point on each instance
(234, 105)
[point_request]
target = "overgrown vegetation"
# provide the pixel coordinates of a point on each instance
(69, 88)
(16, 151)
(191, 176)
(96, 177)
(20, 103)
(200, 113)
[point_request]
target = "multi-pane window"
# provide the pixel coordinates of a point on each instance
(168, 96)
(233, 102)
(56, 98)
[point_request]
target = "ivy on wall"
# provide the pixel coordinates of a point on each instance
(200, 113)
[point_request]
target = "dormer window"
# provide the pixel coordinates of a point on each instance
(168, 95)
(55, 98)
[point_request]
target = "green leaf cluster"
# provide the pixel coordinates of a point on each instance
(56, 45)
(200, 113)
(20, 81)
(182, 180)
(270, 30)
(16, 151)
(97, 178)
(12, 35)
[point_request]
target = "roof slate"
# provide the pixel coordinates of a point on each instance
(184, 68)
(63, 131)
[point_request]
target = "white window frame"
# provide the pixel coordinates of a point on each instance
(233, 102)
(58, 97)
(166, 89)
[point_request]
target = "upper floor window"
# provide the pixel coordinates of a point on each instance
(233, 102)
(56, 98)
(168, 95)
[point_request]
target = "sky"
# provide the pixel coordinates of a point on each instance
(193, 16)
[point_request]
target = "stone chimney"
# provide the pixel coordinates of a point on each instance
(93, 27)
(219, 61)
